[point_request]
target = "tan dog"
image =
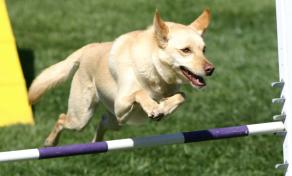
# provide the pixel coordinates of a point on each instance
(136, 77)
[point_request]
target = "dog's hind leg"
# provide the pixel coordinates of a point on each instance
(107, 122)
(82, 103)
(54, 135)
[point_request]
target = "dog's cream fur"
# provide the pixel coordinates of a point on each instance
(136, 77)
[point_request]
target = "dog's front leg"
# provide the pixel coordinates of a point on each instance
(123, 107)
(150, 106)
(125, 104)
(169, 104)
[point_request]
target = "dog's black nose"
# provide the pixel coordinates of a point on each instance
(209, 69)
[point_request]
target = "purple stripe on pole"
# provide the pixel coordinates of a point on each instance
(76, 149)
(215, 133)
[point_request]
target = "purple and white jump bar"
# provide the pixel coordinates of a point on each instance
(121, 144)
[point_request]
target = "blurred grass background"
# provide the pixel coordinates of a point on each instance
(241, 42)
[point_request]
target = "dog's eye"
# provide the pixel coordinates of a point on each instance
(204, 49)
(186, 50)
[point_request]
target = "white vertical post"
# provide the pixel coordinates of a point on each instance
(284, 32)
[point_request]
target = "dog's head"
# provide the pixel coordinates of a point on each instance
(182, 48)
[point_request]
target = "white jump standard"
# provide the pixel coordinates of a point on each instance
(131, 143)
(284, 34)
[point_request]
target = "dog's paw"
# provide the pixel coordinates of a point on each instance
(155, 113)
(152, 109)
(157, 116)
(170, 104)
(168, 107)
(48, 143)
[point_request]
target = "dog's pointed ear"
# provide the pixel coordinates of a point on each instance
(160, 30)
(202, 22)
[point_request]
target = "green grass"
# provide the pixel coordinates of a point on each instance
(241, 43)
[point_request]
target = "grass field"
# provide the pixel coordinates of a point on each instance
(241, 43)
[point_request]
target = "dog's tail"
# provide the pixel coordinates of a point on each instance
(54, 75)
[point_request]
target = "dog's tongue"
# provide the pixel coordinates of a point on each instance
(198, 81)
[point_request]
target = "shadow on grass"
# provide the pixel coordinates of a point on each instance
(26, 57)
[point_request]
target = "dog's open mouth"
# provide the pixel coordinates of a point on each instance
(196, 80)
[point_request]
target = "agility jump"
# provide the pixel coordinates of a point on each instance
(150, 141)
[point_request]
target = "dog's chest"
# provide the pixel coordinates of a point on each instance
(156, 86)
(159, 89)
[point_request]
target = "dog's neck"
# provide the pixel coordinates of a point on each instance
(167, 75)
(163, 69)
